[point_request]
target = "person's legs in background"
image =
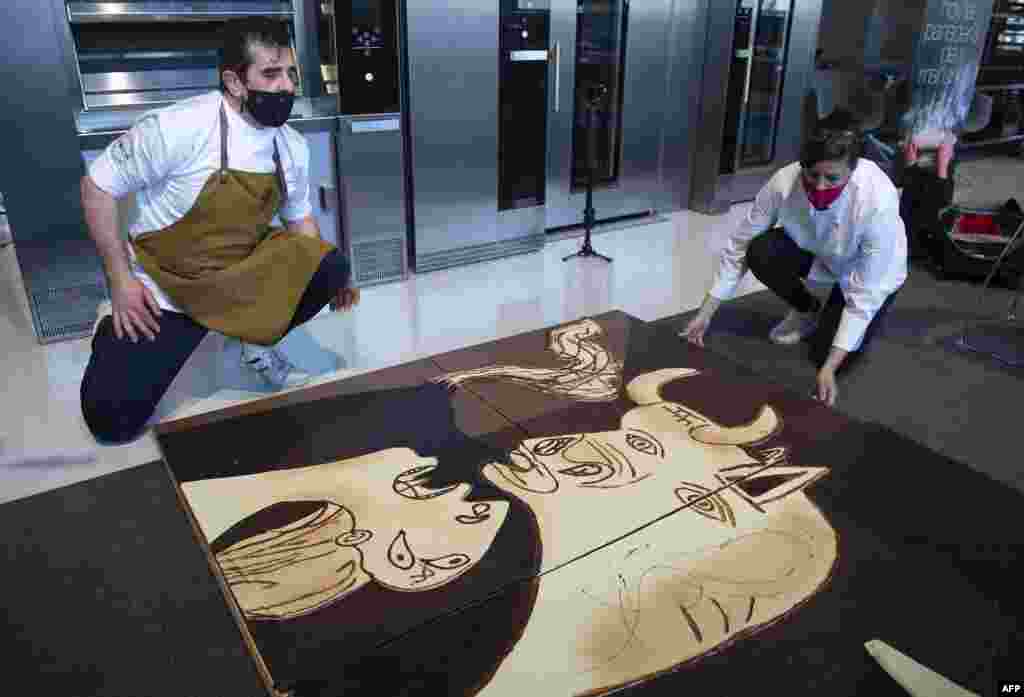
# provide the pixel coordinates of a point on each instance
(925, 194)
(780, 264)
(124, 381)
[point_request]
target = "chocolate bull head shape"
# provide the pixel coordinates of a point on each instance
(588, 489)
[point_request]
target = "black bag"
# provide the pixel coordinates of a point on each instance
(972, 240)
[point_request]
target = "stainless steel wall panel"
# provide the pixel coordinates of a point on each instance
(639, 184)
(42, 168)
(453, 83)
(711, 126)
(687, 39)
(42, 173)
(372, 179)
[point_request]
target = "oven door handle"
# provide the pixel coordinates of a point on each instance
(558, 70)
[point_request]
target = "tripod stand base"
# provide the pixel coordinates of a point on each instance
(586, 251)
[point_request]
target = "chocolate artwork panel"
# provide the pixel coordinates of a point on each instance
(569, 511)
(441, 520)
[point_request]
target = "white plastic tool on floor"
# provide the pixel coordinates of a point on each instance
(913, 677)
(45, 457)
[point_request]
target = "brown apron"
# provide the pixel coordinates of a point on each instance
(224, 265)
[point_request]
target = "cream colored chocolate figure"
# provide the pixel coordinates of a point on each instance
(374, 519)
(590, 372)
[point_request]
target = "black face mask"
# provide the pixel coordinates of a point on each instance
(269, 108)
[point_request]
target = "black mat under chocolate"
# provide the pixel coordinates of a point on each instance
(930, 551)
(914, 378)
(106, 594)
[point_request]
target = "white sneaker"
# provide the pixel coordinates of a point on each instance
(794, 328)
(106, 309)
(273, 366)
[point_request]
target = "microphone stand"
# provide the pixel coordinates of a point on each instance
(597, 93)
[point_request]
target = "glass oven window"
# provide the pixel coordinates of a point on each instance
(600, 68)
(754, 98)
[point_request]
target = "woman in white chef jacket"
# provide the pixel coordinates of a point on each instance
(832, 218)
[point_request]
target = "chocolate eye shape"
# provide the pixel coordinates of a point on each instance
(642, 444)
(448, 562)
(587, 469)
(353, 538)
(705, 502)
(399, 553)
(551, 446)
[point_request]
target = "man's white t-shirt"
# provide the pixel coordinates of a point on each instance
(169, 154)
(859, 242)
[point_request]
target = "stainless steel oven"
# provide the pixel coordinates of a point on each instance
(497, 130)
(757, 73)
(153, 52)
(126, 58)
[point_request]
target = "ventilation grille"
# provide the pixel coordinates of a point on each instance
(65, 313)
(478, 253)
(378, 261)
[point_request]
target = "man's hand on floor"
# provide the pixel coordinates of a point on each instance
(695, 330)
(346, 299)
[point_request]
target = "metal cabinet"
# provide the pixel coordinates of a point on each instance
(323, 180)
(622, 47)
(498, 147)
(370, 156)
(758, 70)
(454, 61)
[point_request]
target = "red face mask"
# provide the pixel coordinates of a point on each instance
(824, 198)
